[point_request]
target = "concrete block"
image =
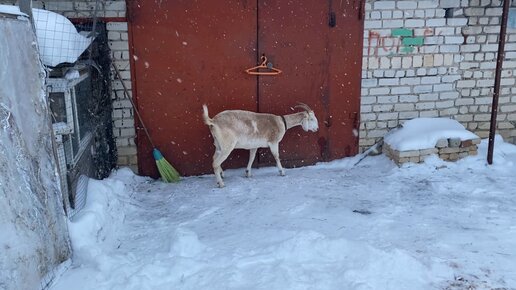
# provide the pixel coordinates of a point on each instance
(442, 143)
(436, 22)
(125, 151)
(427, 4)
(415, 159)
(457, 21)
(454, 39)
(403, 160)
(428, 151)
(394, 23)
(466, 143)
(449, 150)
(411, 153)
(449, 3)
(406, 4)
(454, 156)
(384, 5)
(454, 142)
(117, 26)
(463, 154)
(400, 90)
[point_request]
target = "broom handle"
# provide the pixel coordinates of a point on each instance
(126, 92)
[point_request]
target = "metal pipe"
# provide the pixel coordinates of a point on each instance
(498, 73)
(26, 7)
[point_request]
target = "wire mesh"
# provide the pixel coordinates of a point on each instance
(58, 40)
(89, 149)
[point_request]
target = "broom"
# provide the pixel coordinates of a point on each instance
(167, 172)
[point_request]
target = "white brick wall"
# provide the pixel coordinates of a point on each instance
(450, 73)
(123, 113)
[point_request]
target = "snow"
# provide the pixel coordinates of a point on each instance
(72, 74)
(11, 9)
(423, 133)
(58, 39)
(329, 226)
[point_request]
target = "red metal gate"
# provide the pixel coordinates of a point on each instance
(187, 53)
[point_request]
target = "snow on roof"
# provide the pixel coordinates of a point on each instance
(423, 133)
(10, 9)
(58, 39)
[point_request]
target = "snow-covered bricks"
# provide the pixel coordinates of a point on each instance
(419, 138)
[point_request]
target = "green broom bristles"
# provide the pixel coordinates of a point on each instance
(167, 172)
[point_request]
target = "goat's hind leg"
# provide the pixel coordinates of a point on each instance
(252, 155)
(275, 152)
(218, 158)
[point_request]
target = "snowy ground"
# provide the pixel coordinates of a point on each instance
(437, 225)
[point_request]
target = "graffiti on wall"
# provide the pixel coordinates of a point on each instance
(400, 41)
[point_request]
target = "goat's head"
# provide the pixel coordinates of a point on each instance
(310, 122)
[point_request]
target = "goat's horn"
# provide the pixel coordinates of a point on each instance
(303, 106)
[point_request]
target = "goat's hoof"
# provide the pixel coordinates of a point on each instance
(282, 173)
(220, 184)
(247, 174)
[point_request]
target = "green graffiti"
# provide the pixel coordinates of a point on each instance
(401, 41)
(402, 32)
(412, 41)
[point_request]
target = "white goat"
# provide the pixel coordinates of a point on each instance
(249, 130)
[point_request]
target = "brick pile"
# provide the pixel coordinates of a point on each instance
(451, 149)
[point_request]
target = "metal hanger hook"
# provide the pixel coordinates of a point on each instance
(264, 60)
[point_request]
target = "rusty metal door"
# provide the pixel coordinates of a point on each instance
(192, 52)
(318, 45)
(187, 53)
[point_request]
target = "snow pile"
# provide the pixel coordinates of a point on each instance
(436, 225)
(186, 244)
(93, 227)
(423, 133)
(501, 153)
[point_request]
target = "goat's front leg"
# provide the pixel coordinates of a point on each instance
(252, 155)
(275, 152)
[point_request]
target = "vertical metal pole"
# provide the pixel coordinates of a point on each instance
(26, 7)
(496, 90)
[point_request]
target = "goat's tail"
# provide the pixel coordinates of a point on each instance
(205, 116)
